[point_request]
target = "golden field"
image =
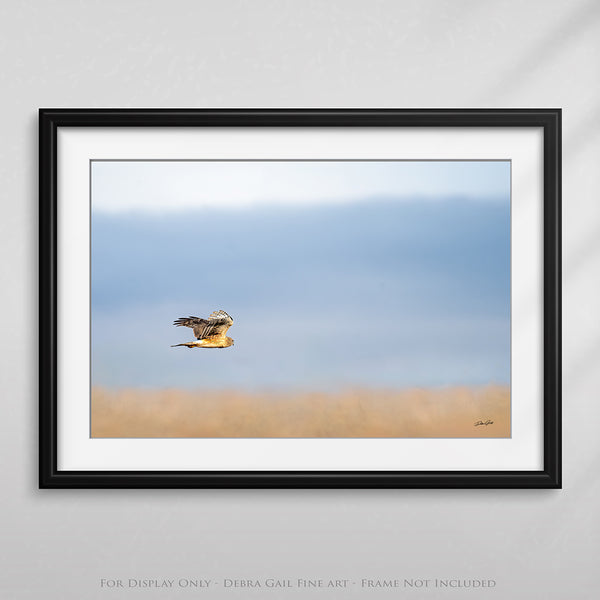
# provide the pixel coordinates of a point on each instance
(359, 413)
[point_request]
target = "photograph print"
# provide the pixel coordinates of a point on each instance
(300, 299)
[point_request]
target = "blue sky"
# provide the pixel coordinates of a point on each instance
(337, 274)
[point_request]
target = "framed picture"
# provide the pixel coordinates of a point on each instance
(300, 298)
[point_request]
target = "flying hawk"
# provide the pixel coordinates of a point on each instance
(209, 332)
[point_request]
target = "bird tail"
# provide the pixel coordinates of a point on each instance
(187, 344)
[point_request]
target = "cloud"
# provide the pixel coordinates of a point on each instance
(159, 186)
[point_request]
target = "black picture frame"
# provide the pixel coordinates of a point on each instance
(51, 120)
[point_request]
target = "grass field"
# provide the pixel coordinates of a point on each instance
(360, 413)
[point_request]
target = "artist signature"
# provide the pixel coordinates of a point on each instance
(486, 422)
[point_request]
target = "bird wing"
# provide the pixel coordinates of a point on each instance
(216, 325)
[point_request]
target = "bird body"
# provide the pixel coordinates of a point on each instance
(210, 333)
(208, 343)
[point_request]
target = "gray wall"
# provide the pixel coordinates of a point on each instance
(150, 53)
